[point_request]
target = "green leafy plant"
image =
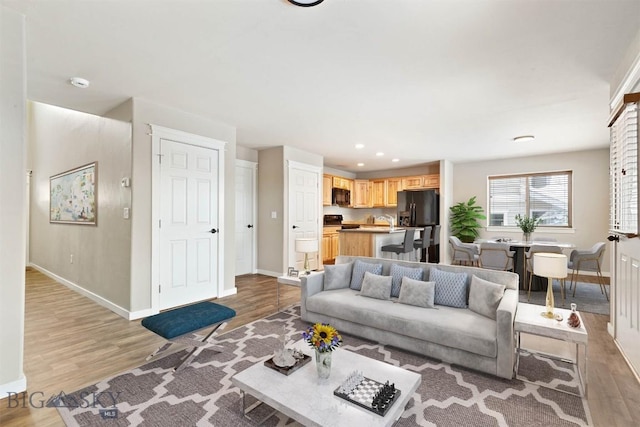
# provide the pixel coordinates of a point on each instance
(526, 223)
(464, 220)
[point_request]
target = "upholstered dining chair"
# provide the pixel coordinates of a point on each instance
(422, 244)
(587, 260)
(463, 253)
(403, 248)
(529, 263)
(496, 256)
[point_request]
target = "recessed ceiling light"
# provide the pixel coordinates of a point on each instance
(395, 160)
(360, 164)
(79, 82)
(524, 138)
(379, 154)
(359, 146)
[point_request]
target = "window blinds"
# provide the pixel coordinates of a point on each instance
(623, 171)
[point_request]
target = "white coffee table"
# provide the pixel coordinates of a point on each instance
(310, 400)
(528, 320)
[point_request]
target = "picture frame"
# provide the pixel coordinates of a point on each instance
(289, 271)
(73, 196)
(294, 273)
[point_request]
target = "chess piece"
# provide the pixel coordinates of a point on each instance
(573, 320)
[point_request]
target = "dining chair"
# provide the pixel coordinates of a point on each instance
(464, 253)
(496, 256)
(423, 243)
(587, 260)
(402, 248)
(529, 265)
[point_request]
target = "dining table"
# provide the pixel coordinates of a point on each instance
(520, 248)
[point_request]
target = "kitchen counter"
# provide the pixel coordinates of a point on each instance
(368, 241)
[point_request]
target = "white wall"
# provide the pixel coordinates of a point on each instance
(12, 196)
(248, 154)
(61, 140)
(144, 113)
(590, 192)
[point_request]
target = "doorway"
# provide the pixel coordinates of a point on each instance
(304, 211)
(245, 217)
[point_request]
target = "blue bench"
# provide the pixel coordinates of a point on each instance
(174, 325)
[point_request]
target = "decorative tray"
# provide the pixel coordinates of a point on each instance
(288, 370)
(364, 393)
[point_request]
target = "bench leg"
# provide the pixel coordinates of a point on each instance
(159, 350)
(198, 346)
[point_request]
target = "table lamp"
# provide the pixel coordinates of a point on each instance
(552, 266)
(306, 246)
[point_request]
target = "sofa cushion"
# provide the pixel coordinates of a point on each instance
(398, 272)
(375, 286)
(359, 268)
(337, 276)
(451, 327)
(417, 292)
(485, 296)
(451, 288)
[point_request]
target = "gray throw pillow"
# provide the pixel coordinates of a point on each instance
(417, 292)
(359, 268)
(451, 288)
(337, 276)
(485, 296)
(398, 272)
(374, 286)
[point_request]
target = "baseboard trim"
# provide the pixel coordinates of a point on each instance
(229, 292)
(624, 356)
(17, 386)
(270, 273)
(140, 314)
(92, 296)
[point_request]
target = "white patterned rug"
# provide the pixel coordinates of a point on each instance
(202, 394)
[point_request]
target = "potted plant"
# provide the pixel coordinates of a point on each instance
(527, 224)
(464, 220)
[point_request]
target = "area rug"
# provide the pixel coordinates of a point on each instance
(202, 394)
(588, 297)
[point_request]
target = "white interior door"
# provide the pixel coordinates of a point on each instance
(627, 298)
(304, 213)
(188, 253)
(245, 217)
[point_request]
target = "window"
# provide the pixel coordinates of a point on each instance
(541, 195)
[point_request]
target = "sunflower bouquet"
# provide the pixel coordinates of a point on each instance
(322, 337)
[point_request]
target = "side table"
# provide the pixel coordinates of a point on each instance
(288, 280)
(528, 320)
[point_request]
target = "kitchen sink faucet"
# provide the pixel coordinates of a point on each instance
(390, 219)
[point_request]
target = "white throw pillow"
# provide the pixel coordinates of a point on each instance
(375, 286)
(417, 292)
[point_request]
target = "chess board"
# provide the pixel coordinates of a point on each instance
(363, 395)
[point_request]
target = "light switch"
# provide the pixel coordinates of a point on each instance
(125, 213)
(274, 215)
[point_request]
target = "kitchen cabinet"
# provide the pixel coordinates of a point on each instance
(327, 183)
(393, 186)
(361, 197)
(412, 182)
(431, 181)
(378, 193)
(339, 182)
(330, 245)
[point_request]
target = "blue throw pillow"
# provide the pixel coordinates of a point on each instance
(359, 268)
(398, 272)
(451, 288)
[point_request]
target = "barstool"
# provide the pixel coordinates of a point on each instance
(403, 248)
(423, 243)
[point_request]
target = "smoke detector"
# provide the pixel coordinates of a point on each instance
(79, 82)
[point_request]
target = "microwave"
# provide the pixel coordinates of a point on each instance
(340, 197)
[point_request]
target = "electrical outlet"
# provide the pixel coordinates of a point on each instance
(71, 259)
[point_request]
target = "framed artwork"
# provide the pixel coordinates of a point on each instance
(73, 195)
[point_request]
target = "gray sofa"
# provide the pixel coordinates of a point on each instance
(455, 335)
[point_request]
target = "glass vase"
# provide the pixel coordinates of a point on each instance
(526, 237)
(323, 364)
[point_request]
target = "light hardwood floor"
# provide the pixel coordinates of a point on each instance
(71, 342)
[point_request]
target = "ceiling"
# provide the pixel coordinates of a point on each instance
(419, 80)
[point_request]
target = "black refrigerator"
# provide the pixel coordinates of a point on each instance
(417, 209)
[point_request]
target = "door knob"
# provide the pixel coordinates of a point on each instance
(249, 226)
(613, 238)
(295, 226)
(213, 231)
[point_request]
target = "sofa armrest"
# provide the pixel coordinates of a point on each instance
(505, 317)
(310, 285)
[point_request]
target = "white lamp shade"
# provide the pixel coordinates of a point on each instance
(306, 245)
(550, 265)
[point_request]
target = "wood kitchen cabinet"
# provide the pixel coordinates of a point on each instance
(393, 186)
(412, 182)
(327, 183)
(339, 182)
(431, 181)
(378, 193)
(361, 197)
(330, 245)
